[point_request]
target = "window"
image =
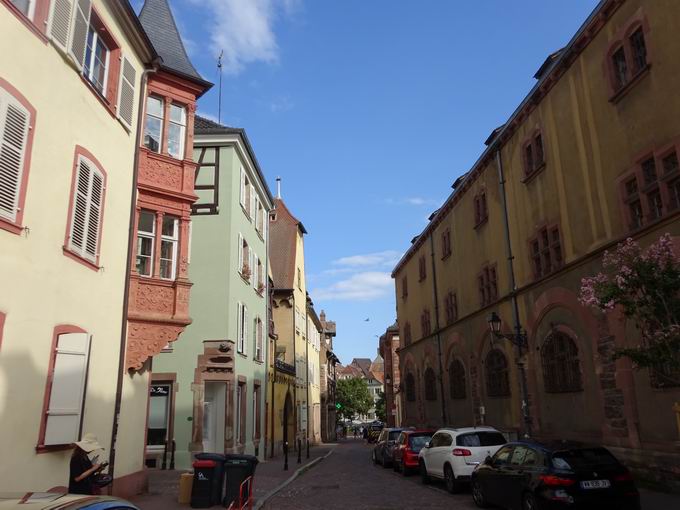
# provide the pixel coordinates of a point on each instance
(256, 411)
(446, 243)
(451, 305)
(534, 158)
(66, 389)
(426, 327)
(299, 278)
(177, 131)
(169, 242)
(481, 211)
(430, 385)
(457, 379)
(153, 128)
(410, 384)
(633, 203)
(561, 367)
(240, 412)
(546, 251)
(258, 339)
(246, 194)
(422, 268)
(146, 234)
(487, 285)
(259, 273)
(26, 7)
(496, 371)
(259, 217)
(628, 57)
(16, 121)
(242, 328)
(637, 44)
(620, 68)
(87, 207)
(407, 334)
(404, 287)
(96, 67)
(244, 257)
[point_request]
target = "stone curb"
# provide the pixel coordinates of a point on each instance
(260, 502)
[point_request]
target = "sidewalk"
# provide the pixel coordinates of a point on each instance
(269, 474)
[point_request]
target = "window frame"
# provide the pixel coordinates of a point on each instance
(487, 284)
(147, 235)
(90, 66)
(422, 268)
(446, 243)
(545, 250)
(161, 138)
(37, 21)
(622, 44)
(481, 208)
(496, 374)
(404, 287)
(536, 144)
(183, 129)
(174, 240)
(561, 364)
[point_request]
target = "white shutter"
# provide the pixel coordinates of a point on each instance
(60, 22)
(79, 30)
(256, 217)
(68, 386)
(255, 338)
(14, 123)
(251, 213)
(243, 188)
(238, 327)
(87, 210)
(253, 270)
(240, 253)
(126, 93)
(245, 329)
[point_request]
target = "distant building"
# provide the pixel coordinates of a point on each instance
(389, 343)
(370, 371)
(327, 379)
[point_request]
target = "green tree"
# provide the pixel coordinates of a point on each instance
(380, 407)
(353, 397)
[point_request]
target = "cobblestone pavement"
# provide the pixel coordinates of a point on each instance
(349, 480)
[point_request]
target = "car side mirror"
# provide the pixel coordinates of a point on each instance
(488, 461)
(427, 445)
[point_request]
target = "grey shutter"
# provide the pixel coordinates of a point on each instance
(60, 22)
(81, 26)
(87, 210)
(126, 93)
(94, 217)
(14, 123)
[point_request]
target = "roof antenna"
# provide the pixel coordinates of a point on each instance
(219, 99)
(278, 188)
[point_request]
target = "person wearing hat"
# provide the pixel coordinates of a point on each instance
(83, 470)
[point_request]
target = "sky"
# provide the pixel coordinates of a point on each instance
(368, 110)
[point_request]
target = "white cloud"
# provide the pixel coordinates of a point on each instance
(244, 30)
(416, 201)
(364, 286)
(381, 258)
(281, 104)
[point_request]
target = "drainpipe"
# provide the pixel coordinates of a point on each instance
(307, 364)
(128, 268)
(295, 408)
(513, 297)
(436, 326)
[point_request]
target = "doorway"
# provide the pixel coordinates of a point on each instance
(288, 420)
(214, 401)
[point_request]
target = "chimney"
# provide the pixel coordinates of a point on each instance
(278, 188)
(322, 316)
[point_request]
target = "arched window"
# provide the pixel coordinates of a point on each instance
(561, 367)
(496, 368)
(410, 387)
(457, 379)
(430, 385)
(666, 375)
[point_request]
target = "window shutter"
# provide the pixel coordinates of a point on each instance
(245, 328)
(240, 253)
(60, 22)
(14, 122)
(87, 208)
(238, 326)
(68, 386)
(255, 338)
(243, 188)
(253, 271)
(81, 26)
(252, 203)
(126, 93)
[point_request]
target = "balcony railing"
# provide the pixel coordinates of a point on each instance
(285, 367)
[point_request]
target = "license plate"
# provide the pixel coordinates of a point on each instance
(596, 484)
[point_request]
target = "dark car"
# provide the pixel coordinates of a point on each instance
(61, 501)
(382, 451)
(374, 430)
(527, 475)
(409, 443)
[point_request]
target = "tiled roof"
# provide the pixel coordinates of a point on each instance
(159, 24)
(282, 245)
(363, 363)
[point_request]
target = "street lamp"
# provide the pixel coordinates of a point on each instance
(388, 379)
(519, 340)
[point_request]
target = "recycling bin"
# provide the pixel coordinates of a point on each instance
(211, 467)
(236, 469)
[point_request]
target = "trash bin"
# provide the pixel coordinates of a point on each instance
(236, 469)
(216, 476)
(202, 487)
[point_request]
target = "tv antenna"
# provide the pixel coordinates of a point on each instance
(219, 99)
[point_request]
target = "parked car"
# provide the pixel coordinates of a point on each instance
(374, 430)
(61, 501)
(384, 446)
(527, 475)
(408, 445)
(452, 454)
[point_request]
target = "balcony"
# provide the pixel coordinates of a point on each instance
(161, 173)
(284, 367)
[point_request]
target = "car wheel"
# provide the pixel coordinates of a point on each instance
(424, 477)
(452, 485)
(529, 502)
(395, 466)
(478, 495)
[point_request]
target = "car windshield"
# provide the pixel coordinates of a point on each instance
(585, 458)
(481, 439)
(417, 442)
(394, 434)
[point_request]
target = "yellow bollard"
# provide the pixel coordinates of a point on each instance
(185, 482)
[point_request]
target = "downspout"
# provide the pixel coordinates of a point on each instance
(128, 268)
(513, 297)
(273, 396)
(295, 364)
(307, 364)
(436, 326)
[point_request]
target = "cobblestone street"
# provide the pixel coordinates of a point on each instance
(348, 479)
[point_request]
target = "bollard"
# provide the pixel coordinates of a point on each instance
(285, 456)
(307, 447)
(299, 451)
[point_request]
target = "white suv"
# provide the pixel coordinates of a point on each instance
(452, 454)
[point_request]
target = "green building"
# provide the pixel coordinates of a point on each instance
(208, 391)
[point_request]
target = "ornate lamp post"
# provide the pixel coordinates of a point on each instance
(519, 340)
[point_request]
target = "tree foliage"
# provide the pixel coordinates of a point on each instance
(353, 397)
(646, 287)
(380, 411)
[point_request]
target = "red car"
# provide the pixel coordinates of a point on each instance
(409, 443)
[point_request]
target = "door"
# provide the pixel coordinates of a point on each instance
(159, 432)
(214, 401)
(494, 480)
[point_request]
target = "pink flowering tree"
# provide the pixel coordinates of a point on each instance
(646, 287)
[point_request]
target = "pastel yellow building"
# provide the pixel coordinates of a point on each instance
(68, 131)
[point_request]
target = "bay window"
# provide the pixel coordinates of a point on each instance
(169, 242)
(157, 126)
(176, 131)
(153, 128)
(146, 233)
(96, 65)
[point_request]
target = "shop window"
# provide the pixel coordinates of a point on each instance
(430, 385)
(457, 379)
(496, 372)
(410, 384)
(561, 366)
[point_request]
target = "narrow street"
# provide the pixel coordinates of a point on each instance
(349, 479)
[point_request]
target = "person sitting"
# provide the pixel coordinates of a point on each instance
(82, 470)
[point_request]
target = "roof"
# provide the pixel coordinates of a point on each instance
(206, 127)
(363, 363)
(562, 61)
(283, 232)
(159, 24)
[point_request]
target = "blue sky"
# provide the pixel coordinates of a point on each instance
(368, 110)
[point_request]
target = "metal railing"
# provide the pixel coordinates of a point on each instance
(245, 496)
